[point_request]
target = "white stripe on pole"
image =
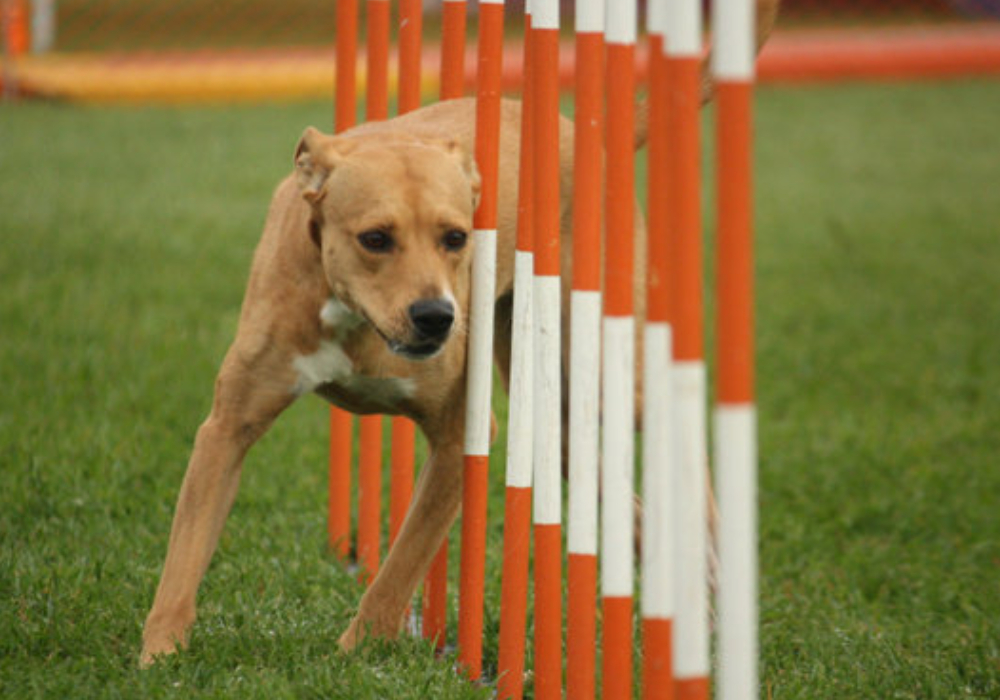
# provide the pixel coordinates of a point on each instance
(733, 40)
(683, 28)
(690, 512)
(477, 410)
(548, 402)
(657, 461)
(736, 485)
(656, 16)
(621, 23)
(520, 421)
(545, 14)
(617, 457)
(589, 16)
(584, 419)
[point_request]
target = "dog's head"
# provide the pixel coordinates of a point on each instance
(392, 216)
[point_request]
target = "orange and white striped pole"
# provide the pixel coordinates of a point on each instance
(452, 71)
(691, 624)
(547, 450)
(618, 376)
(480, 353)
(658, 455)
(520, 421)
(585, 351)
(735, 413)
(341, 422)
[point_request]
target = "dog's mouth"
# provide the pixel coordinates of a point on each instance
(421, 349)
(414, 351)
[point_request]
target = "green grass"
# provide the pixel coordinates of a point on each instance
(125, 238)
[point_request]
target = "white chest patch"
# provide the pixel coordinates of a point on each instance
(328, 364)
(331, 365)
(338, 318)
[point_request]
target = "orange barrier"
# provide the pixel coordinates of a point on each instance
(795, 56)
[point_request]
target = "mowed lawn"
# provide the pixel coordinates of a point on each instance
(125, 239)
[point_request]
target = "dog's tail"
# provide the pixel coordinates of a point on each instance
(766, 15)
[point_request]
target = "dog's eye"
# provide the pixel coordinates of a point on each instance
(376, 241)
(455, 240)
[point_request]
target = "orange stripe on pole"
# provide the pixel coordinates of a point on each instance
(683, 102)
(453, 49)
(588, 149)
(620, 200)
(345, 85)
(17, 34)
(341, 422)
(435, 611)
(657, 659)
(548, 611)
(339, 502)
(401, 473)
(410, 29)
(617, 660)
(488, 110)
(370, 497)
(546, 151)
(691, 689)
(472, 574)
(658, 286)
(526, 181)
(514, 593)
(734, 275)
(377, 82)
(581, 621)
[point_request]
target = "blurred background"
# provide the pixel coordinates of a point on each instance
(262, 49)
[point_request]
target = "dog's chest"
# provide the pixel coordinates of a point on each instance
(331, 372)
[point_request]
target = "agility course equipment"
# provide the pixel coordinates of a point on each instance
(600, 401)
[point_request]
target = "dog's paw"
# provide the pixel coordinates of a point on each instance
(151, 653)
(351, 638)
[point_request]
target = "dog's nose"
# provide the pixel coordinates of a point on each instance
(432, 318)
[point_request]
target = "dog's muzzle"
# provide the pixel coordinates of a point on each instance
(432, 321)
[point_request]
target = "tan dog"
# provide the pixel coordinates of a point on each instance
(359, 292)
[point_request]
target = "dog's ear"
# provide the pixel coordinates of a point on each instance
(468, 165)
(314, 160)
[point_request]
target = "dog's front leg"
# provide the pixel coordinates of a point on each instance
(435, 506)
(248, 396)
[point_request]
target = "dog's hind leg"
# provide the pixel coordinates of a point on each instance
(249, 394)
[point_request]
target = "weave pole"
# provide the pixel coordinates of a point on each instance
(735, 414)
(618, 376)
(339, 465)
(369, 497)
(584, 357)
(520, 426)
(435, 601)
(658, 456)
(691, 625)
(403, 429)
(410, 29)
(547, 450)
(480, 353)
(370, 427)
